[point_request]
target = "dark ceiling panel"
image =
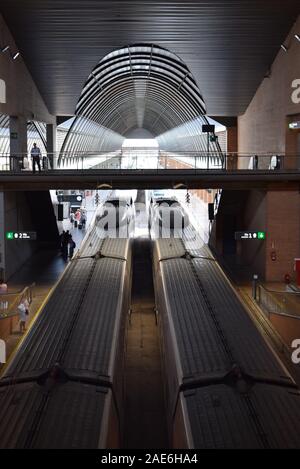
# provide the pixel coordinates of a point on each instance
(227, 44)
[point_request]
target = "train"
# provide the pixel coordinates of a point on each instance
(224, 386)
(64, 386)
(165, 214)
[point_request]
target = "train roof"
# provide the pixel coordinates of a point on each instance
(79, 323)
(71, 415)
(210, 342)
(94, 342)
(42, 344)
(199, 350)
(98, 241)
(218, 417)
(247, 344)
(168, 248)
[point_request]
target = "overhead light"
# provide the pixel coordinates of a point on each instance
(16, 55)
(4, 49)
(283, 47)
(297, 36)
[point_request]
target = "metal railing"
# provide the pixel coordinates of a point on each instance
(139, 159)
(9, 302)
(279, 302)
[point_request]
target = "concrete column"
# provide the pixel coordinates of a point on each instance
(18, 135)
(2, 236)
(232, 147)
(51, 144)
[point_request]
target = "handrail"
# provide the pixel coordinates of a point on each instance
(133, 159)
(277, 302)
(8, 308)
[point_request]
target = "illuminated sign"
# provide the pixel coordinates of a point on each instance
(250, 235)
(294, 125)
(28, 235)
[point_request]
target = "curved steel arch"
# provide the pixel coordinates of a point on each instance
(138, 86)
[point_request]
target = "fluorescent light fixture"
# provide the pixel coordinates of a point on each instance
(16, 55)
(283, 47)
(4, 49)
(297, 36)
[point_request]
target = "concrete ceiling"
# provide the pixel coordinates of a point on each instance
(227, 44)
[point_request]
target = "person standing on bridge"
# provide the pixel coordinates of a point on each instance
(36, 155)
(255, 162)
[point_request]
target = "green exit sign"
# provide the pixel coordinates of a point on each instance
(9, 235)
(261, 235)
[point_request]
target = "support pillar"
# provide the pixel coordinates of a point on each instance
(232, 147)
(51, 144)
(18, 140)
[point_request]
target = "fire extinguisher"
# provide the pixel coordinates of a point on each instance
(273, 255)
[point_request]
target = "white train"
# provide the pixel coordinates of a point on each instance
(64, 386)
(224, 387)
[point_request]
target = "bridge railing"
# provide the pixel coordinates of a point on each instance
(138, 159)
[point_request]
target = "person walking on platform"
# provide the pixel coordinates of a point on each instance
(3, 287)
(23, 313)
(64, 241)
(36, 155)
(77, 218)
(83, 220)
(72, 246)
(3, 291)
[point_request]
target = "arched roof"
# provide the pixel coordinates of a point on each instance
(137, 86)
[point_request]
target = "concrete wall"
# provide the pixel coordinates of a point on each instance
(22, 96)
(17, 218)
(263, 127)
(28, 211)
(283, 233)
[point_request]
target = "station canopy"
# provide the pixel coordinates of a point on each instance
(142, 86)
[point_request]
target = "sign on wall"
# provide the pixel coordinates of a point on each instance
(250, 235)
(29, 235)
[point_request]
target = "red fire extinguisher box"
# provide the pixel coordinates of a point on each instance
(297, 269)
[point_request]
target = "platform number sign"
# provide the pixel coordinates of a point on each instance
(261, 235)
(24, 235)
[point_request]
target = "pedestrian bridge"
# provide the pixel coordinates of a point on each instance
(144, 171)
